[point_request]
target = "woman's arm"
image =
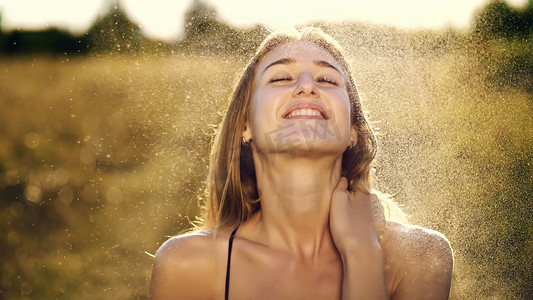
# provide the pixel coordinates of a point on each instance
(423, 258)
(363, 275)
(355, 220)
(182, 269)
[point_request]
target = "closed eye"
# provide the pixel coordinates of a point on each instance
(280, 79)
(327, 80)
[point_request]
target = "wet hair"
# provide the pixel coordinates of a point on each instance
(232, 193)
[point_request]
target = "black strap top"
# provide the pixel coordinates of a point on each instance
(230, 245)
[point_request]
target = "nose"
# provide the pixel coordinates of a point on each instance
(305, 86)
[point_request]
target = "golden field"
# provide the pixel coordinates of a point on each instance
(103, 158)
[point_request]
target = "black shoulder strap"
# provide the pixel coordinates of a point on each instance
(230, 245)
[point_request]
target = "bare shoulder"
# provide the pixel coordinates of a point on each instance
(420, 242)
(185, 267)
(423, 259)
(193, 246)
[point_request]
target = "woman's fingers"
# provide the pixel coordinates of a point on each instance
(340, 211)
(355, 216)
(342, 186)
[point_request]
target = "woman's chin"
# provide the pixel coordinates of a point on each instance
(305, 148)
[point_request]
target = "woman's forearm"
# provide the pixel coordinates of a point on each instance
(363, 274)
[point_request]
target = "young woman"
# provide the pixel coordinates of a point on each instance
(290, 210)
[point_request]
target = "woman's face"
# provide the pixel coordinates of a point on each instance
(300, 103)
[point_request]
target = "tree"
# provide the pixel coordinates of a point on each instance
(205, 33)
(114, 32)
(200, 18)
(499, 20)
(2, 42)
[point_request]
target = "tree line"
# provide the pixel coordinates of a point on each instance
(114, 32)
(204, 31)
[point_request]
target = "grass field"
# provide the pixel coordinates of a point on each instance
(102, 158)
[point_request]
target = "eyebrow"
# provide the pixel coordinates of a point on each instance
(325, 64)
(288, 61)
(283, 61)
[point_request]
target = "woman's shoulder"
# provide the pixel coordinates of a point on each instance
(422, 257)
(185, 248)
(419, 238)
(185, 265)
(419, 243)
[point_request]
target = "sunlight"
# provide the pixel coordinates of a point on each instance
(164, 19)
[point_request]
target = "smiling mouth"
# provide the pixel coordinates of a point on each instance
(305, 113)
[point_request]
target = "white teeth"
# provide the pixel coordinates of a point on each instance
(305, 112)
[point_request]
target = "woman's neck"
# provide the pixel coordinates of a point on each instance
(295, 199)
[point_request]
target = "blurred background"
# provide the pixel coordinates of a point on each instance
(108, 108)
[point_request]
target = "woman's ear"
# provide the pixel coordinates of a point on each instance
(247, 133)
(353, 136)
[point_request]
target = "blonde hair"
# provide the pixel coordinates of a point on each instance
(232, 194)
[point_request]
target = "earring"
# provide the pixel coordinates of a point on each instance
(352, 144)
(244, 141)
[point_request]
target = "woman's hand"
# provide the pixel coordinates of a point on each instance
(356, 221)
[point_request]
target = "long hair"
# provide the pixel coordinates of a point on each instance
(232, 194)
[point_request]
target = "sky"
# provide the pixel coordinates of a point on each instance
(163, 19)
